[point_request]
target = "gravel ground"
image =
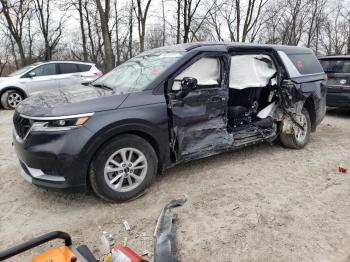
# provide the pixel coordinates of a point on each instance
(263, 203)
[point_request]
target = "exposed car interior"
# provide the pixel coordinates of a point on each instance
(252, 91)
(252, 88)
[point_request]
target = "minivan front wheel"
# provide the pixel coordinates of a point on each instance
(300, 137)
(10, 99)
(123, 168)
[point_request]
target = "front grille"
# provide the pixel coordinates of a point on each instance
(21, 124)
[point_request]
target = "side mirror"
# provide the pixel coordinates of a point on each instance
(189, 83)
(31, 74)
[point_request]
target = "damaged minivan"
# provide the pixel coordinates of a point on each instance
(164, 107)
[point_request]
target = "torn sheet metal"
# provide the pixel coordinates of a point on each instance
(165, 233)
(200, 124)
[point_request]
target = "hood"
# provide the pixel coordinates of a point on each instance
(7, 79)
(72, 100)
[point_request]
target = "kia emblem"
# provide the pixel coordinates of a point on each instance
(342, 81)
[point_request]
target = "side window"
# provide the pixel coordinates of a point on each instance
(84, 68)
(206, 70)
(45, 70)
(68, 68)
(306, 63)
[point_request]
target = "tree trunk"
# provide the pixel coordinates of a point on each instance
(104, 17)
(163, 11)
(83, 36)
(15, 32)
(131, 24)
(178, 24)
(117, 31)
(141, 19)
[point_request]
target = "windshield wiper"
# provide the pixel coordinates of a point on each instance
(103, 86)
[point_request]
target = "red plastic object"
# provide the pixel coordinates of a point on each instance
(125, 254)
(342, 169)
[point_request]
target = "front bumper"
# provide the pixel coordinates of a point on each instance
(54, 160)
(44, 180)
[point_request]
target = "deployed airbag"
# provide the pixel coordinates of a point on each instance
(250, 71)
(206, 70)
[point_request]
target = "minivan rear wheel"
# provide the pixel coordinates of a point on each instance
(123, 168)
(300, 137)
(11, 98)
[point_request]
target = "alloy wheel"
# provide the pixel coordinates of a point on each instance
(14, 99)
(300, 134)
(125, 169)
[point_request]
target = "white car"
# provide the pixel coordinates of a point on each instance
(44, 76)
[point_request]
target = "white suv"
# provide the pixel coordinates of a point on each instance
(44, 76)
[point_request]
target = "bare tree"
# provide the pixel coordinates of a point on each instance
(178, 21)
(190, 8)
(241, 19)
(215, 19)
(163, 23)
(141, 15)
(15, 14)
(333, 40)
(80, 8)
(131, 25)
(51, 34)
(107, 42)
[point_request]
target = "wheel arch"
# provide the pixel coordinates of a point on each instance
(309, 104)
(3, 90)
(136, 130)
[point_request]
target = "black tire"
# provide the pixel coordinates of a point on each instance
(97, 175)
(5, 98)
(291, 141)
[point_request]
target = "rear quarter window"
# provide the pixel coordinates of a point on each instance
(84, 68)
(68, 68)
(306, 63)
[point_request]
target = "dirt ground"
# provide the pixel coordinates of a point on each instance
(263, 203)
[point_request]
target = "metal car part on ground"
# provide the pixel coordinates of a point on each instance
(165, 233)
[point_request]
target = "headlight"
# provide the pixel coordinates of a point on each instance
(62, 123)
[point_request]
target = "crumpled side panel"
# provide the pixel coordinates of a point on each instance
(200, 124)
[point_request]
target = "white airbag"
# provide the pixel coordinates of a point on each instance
(249, 71)
(206, 70)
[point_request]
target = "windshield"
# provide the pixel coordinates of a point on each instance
(336, 65)
(21, 71)
(136, 73)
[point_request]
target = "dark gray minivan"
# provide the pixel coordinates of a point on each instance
(164, 107)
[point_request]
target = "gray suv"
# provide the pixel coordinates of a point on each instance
(44, 76)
